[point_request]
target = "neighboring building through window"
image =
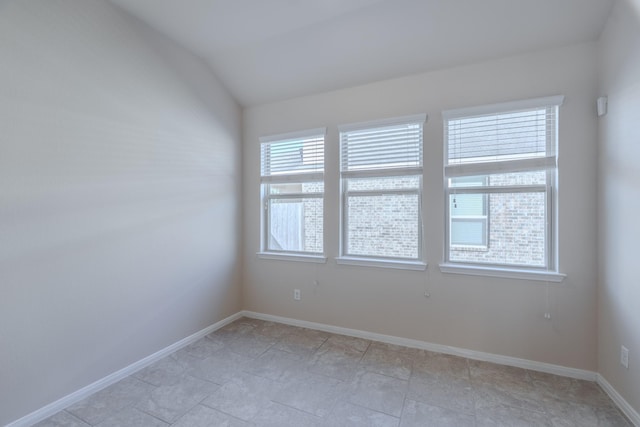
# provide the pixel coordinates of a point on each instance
(292, 181)
(469, 216)
(381, 179)
(500, 180)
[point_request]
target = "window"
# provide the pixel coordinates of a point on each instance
(292, 180)
(381, 178)
(500, 179)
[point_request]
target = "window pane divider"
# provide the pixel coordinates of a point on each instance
(365, 193)
(293, 177)
(484, 168)
(295, 196)
(376, 173)
(498, 189)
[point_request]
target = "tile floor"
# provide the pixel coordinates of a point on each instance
(257, 373)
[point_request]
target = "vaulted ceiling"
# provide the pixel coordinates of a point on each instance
(270, 50)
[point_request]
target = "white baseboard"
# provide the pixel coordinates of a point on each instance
(624, 406)
(60, 404)
(439, 348)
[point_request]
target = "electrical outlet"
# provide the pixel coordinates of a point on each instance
(296, 294)
(624, 356)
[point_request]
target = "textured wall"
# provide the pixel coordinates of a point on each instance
(619, 201)
(119, 172)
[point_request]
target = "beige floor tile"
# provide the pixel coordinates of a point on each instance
(315, 394)
(566, 413)
(240, 326)
(106, 403)
(589, 393)
(277, 415)
(491, 372)
(219, 368)
(507, 416)
(336, 362)
(387, 362)
(62, 419)
(303, 342)
(250, 344)
(277, 365)
(448, 392)
(203, 348)
(243, 396)
(414, 352)
(416, 414)
(346, 414)
(521, 395)
(274, 330)
(132, 417)
(166, 371)
(442, 365)
(170, 402)
(379, 392)
(351, 343)
(202, 416)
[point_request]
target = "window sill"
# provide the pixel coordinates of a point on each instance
(509, 273)
(368, 262)
(318, 259)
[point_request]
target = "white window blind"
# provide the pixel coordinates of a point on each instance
(289, 157)
(518, 139)
(392, 146)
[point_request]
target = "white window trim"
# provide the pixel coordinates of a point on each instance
(292, 256)
(508, 273)
(415, 118)
(550, 274)
(263, 253)
(293, 135)
(372, 261)
(503, 107)
(382, 263)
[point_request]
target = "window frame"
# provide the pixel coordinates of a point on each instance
(345, 257)
(549, 272)
(266, 196)
(484, 219)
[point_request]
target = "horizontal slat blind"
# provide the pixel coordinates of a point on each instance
(397, 146)
(515, 140)
(520, 165)
(301, 156)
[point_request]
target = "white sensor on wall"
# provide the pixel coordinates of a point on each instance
(602, 106)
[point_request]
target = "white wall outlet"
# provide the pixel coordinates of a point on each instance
(624, 356)
(296, 294)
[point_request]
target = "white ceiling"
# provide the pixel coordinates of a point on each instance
(270, 50)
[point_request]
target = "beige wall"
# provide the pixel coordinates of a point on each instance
(619, 201)
(119, 160)
(502, 316)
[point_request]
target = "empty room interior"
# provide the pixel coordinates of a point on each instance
(319, 213)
